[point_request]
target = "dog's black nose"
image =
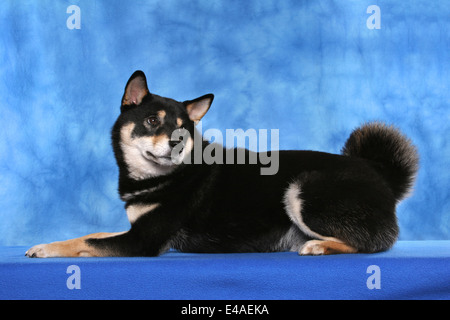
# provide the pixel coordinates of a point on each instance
(173, 143)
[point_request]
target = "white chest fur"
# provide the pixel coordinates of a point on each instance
(135, 211)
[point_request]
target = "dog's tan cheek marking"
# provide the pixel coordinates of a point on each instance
(179, 122)
(131, 153)
(125, 133)
(135, 211)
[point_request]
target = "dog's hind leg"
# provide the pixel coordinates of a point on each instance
(341, 213)
(324, 246)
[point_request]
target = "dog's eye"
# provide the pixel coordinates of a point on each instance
(153, 121)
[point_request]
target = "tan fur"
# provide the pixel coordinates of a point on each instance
(325, 247)
(161, 115)
(161, 139)
(71, 248)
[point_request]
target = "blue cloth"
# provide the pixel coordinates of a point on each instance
(312, 69)
(411, 270)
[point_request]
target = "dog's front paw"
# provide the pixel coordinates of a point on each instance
(40, 251)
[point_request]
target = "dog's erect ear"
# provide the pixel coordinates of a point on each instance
(136, 89)
(197, 108)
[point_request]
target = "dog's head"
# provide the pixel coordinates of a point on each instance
(153, 134)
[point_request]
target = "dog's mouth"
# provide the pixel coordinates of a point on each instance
(161, 160)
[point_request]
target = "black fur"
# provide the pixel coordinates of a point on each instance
(233, 208)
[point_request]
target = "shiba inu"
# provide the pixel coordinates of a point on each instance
(316, 203)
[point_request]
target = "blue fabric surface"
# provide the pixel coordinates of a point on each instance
(411, 270)
(312, 69)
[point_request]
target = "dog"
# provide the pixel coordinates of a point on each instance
(316, 204)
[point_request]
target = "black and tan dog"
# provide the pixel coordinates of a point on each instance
(317, 203)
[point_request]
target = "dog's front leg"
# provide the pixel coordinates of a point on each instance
(149, 235)
(78, 247)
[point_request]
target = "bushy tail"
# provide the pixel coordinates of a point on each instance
(393, 154)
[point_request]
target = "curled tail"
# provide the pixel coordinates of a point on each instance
(392, 153)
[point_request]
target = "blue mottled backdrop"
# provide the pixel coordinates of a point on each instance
(313, 69)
